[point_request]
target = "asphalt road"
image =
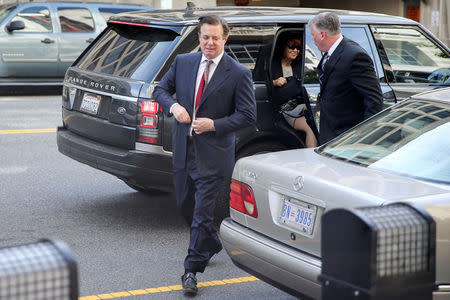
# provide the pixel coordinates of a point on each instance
(126, 243)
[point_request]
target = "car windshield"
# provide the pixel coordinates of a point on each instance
(4, 11)
(127, 51)
(410, 138)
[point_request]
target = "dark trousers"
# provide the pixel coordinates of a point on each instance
(198, 211)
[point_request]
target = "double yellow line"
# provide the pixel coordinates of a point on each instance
(169, 288)
(21, 131)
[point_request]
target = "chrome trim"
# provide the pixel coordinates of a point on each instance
(299, 196)
(298, 183)
(154, 149)
(150, 89)
(115, 96)
(443, 288)
(121, 110)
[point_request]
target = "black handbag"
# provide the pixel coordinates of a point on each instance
(288, 91)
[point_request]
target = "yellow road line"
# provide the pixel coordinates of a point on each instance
(19, 131)
(163, 289)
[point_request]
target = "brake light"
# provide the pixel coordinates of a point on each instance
(129, 23)
(149, 107)
(242, 198)
(148, 123)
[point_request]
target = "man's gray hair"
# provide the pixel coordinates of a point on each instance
(213, 20)
(327, 21)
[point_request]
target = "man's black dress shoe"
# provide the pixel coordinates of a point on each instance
(189, 283)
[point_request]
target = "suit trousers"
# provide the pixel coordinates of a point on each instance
(198, 211)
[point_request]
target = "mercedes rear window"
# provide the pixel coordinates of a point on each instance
(134, 52)
(410, 138)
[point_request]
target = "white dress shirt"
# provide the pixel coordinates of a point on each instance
(334, 46)
(201, 69)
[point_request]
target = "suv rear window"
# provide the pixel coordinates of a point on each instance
(130, 52)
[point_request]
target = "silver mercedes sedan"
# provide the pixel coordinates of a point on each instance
(402, 154)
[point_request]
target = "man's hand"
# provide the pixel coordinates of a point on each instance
(181, 114)
(201, 125)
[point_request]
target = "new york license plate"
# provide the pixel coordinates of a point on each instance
(298, 215)
(90, 103)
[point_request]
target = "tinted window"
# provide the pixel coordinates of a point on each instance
(413, 57)
(107, 12)
(245, 42)
(130, 52)
(313, 55)
(188, 42)
(36, 19)
(75, 19)
(414, 131)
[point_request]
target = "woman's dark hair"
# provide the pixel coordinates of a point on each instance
(283, 40)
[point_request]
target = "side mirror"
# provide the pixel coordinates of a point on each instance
(15, 25)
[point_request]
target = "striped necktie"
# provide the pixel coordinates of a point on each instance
(322, 66)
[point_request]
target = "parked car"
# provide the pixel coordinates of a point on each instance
(111, 122)
(399, 155)
(40, 40)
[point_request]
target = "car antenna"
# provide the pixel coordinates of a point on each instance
(190, 8)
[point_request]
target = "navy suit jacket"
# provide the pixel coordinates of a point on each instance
(350, 90)
(228, 99)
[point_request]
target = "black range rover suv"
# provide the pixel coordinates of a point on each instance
(111, 122)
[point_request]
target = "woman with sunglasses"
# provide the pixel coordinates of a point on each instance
(289, 97)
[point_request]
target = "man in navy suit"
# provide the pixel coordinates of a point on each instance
(214, 98)
(349, 88)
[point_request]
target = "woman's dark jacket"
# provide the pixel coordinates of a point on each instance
(302, 96)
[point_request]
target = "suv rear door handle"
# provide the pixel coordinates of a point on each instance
(89, 40)
(47, 41)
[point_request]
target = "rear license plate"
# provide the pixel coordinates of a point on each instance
(90, 103)
(298, 215)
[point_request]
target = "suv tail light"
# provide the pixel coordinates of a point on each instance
(148, 128)
(242, 198)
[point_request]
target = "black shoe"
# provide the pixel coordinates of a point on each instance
(189, 283)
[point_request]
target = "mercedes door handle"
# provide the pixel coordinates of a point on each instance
(89, 40)
(47, 41)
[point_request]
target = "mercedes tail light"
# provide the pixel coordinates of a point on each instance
(242, 198)
(148, 128)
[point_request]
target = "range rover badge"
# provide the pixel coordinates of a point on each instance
(121, 110)
(298, 183)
